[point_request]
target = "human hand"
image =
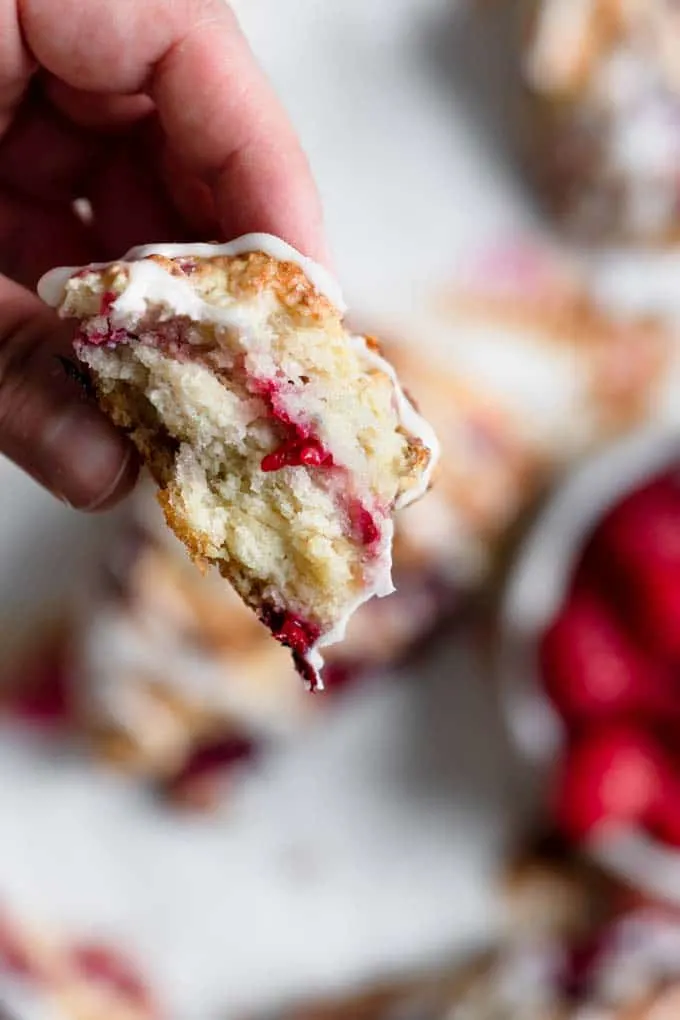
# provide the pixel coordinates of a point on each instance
(157, 113)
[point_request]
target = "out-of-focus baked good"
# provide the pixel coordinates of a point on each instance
(602, 117)
(43, 975)
(523, 373)
(281, 442)
(171, 677)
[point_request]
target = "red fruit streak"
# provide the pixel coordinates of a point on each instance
(297, 453)
(107, 302)
(294, 633)
(301, 449)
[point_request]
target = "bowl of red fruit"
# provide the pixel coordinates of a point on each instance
(589, 658)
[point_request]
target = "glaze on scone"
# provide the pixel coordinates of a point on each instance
(282, 444)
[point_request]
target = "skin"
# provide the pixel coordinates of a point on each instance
(158, 114)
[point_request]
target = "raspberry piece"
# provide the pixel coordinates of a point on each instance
(643, 529)
(297, 453)
(363, 523)
(107, 302)
(612, 777)
(293, 634)
(290, 630)
(591, 670)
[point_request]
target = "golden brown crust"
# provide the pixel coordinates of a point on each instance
(246, 276)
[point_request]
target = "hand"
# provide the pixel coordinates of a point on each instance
(156, 112)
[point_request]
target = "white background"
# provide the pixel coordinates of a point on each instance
(375, 840)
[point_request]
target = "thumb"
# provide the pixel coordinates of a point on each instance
(48, 426)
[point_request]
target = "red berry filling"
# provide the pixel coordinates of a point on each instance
(297, 453)
(298, 635)
(364, 525)
(98, 335)
(107, 302)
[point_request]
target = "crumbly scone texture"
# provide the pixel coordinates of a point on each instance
(209, 406)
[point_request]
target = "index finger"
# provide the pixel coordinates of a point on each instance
(220, 114)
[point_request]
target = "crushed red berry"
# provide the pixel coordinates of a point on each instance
(297, 634)
(363, 523)
(297, 453)
(107, 302)
(100, 337)
(270, 390)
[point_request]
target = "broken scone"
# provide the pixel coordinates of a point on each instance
(282, 443)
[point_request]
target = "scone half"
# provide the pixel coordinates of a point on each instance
(281, 443)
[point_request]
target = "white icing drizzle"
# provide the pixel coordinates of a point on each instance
(51, 286)
(413, 422)
(149, 283)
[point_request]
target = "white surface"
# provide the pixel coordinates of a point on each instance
(372, 843)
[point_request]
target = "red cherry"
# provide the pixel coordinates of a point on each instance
(108, 300)
(591, 670)
(654, 610)
(642, 530)
(289, 629)
(614, 776)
